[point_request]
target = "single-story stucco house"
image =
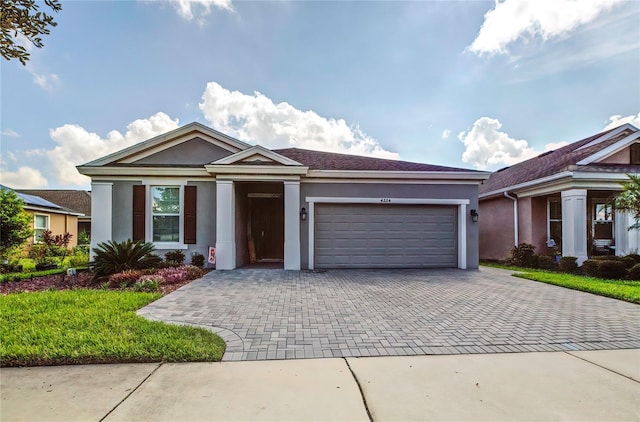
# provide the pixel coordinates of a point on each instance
(78, 201)
(194, 188)
(557, 201)
(46, 215)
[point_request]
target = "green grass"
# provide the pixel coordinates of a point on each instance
(90, 326)
(618, 289)
(33, 274)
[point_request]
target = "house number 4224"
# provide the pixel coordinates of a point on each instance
(385, 200)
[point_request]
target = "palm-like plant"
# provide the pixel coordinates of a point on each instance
(629, 200)
(113, 257)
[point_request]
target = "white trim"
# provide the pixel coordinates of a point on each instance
(118, 171)
(551, 199)
(390, 181)
(377, 174)
(574, 224)
(615, 132)
(529, 183)
(610, 150)
(51, 210)
(257, 150)
(385, 200)
(257, 177)
(460, 203)
(193, 127)
(248, 169)
(225, 225)
(149, 185)
(35, 236)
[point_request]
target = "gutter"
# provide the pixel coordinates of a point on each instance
(515, 216)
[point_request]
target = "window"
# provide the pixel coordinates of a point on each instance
(602, 224)
(40, 224)
(554, 220)
(635, 153)
(165, 210)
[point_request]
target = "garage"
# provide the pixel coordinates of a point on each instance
(385, 236)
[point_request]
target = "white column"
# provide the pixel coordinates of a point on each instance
(574, 224)
(627, 241)
(225, 225)
(462, 237)
(101, 213)
(291, 225)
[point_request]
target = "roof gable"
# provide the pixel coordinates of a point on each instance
(256, 155)
(142, 150)
(555, 162)
(195, 151)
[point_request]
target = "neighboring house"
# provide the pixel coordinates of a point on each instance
(47, 215)
(560, 198)
(195, 187)
(78, 201)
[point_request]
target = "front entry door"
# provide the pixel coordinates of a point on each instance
(267, 228)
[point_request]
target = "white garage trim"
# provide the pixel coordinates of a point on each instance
(462, 218)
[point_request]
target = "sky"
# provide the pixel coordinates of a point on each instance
(471, 84)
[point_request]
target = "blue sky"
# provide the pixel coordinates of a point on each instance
(467, 84)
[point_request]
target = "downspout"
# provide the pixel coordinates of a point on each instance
(515, 216)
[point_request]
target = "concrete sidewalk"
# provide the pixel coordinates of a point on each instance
(593, 385)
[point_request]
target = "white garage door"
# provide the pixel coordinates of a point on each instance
(385, 236)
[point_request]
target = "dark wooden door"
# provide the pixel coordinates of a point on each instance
(267, 227)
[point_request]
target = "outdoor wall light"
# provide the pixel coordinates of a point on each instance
(474, 215)
(303, 214)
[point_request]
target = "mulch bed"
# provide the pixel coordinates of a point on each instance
(83, 280)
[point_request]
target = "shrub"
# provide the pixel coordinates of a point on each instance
(590, 267)
(113, 257)
(148, 285)
(628, 261)
(568, 264)
(193, 272)
(197, 259)
(176, 256)
(634, 273)
(523, 255)
(546, 262)
(79, 260)
(611, 269)
(173, 275)
(635, 257)
(125, 278)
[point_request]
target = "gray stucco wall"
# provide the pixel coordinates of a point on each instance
(122, 226)
(195, 151)
(122, 212)
(381, 190)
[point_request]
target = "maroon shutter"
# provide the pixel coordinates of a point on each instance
(190, 214)
(139, 193)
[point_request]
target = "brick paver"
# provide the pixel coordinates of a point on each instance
(278, 314)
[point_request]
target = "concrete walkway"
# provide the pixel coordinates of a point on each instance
(595, 385)
(265, 314)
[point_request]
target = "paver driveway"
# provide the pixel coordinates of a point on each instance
(277, 314)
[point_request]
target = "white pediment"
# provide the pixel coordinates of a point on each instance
(256, 155)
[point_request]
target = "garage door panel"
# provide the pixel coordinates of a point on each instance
(385, 236)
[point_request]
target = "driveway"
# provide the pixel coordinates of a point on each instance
(277, 314)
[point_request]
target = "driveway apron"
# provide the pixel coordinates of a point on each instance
(277, 314)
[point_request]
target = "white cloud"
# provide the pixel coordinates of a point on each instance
(512, 20)
(76, 145)
(618, 120)
(446, 133)
(489, 148)
(257, 119)
(9, 132)
(24, 178)
(188, 9)
(46, 81)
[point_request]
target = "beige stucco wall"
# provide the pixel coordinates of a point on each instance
(496, 228)
(620, 157)
(59, 224)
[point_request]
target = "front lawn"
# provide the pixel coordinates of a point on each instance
(92, 326)
(618, 289)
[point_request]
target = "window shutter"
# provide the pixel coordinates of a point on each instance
(139, 193)
(190, 200)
